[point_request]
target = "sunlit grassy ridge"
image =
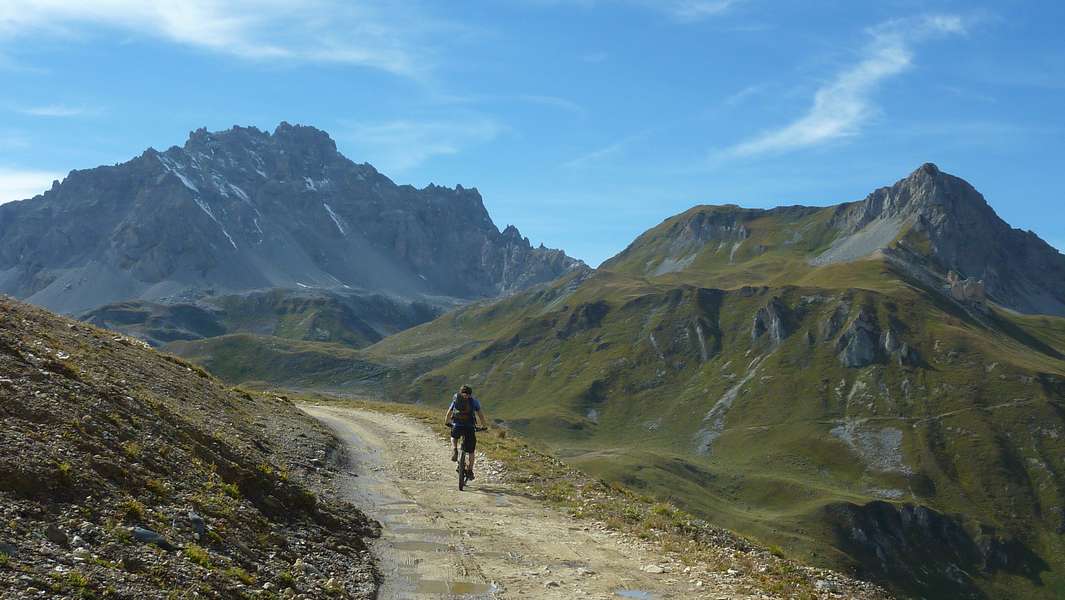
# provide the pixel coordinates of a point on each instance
(621, 374)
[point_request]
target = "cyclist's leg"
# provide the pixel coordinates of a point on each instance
(455, 443)
(471, 447)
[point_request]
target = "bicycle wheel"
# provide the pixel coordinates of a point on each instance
(462, 470)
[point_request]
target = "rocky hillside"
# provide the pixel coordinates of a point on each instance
(129, 474)
(244, 209)
(928, 224)
(815, 378)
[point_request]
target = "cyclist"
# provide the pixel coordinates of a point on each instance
(462, 416)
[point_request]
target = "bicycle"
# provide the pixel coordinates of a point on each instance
(461, 468)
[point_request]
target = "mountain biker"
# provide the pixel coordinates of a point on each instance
(462, 416)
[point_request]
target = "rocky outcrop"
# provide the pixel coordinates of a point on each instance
(967, 291)
(925, 552)
(771, 320)
(858, 346)
(245, 209)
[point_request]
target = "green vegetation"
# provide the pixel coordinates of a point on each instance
(621, 376)
(198, 555)
(134, 510)
(240, 575)
(241, 358)
(132, 449)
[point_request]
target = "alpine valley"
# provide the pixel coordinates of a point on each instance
(876, 387)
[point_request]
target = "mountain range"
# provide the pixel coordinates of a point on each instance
(877, 386)
(243, 209)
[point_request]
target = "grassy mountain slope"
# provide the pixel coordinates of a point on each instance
(672, 388)
(248, 359)
(352, 319)
(127, 473)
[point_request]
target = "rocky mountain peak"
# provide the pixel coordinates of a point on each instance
(244, 209)
(963, 234)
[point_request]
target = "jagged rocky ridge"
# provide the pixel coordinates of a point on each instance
(245, 209)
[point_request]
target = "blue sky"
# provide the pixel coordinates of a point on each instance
(583, 122)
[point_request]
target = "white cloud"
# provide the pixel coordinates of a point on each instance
(681, 10)
(396, 146)
(551, 101)
(843, 105)
(18, 184)
(371, 33)
(56, 110)
(606, 153)
(692, 10)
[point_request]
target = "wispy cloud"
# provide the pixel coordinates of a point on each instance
(691, 10)
(608, 152)
(16, 184)
(399, 145)
(372, 33)
(595, 57)
(744, 94)
(551, 101)
(686, 11)
(57, 110)
(843, 105)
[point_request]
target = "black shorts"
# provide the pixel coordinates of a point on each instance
(468, 435)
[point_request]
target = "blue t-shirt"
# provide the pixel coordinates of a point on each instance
(475, 406)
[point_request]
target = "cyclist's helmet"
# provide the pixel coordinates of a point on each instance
(466, 390)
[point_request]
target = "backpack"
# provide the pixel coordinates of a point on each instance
(463, 413)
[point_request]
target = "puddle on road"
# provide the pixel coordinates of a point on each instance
(403, 530)
(637, 594)
(501, 500)
(453, 588)
(415, 546)
(394, 511)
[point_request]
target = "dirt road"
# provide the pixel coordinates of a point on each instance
(489, 541)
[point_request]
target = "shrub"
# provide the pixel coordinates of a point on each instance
(134, 510)
(131, 448)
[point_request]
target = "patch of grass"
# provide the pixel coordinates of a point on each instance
(132, 449)
(198, 555)
(133, 510)
(4, 559)
(286, 580)
(157, 487)
(65, 472)
(240, 575)
(230, 489)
